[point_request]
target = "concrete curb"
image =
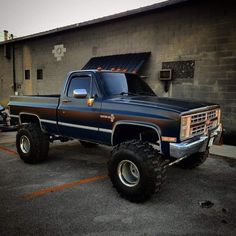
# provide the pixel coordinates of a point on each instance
(224, 150)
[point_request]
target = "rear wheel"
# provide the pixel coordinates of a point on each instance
(194, 160)
(32, 144)
(136, 170)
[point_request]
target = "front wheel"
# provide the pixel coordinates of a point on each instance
(32, 144)
(136, 170)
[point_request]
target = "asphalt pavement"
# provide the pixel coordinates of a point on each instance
(70, 194)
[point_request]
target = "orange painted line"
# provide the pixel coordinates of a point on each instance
(9, 151)
(63, 186)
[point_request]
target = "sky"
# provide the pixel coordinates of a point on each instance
(25, 17)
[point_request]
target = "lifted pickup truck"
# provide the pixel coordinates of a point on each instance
(118, 109)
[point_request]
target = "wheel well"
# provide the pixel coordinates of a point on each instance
(27, 118)
(125, 132)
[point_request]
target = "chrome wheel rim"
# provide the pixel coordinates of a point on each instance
(24, 144)
(128, 173)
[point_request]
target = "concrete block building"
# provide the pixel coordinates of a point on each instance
(196, 40)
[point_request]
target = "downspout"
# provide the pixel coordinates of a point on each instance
(14, 67)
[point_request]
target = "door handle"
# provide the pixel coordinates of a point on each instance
(66, 101)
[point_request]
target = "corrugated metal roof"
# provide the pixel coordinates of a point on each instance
(118, 16)
(131, 62)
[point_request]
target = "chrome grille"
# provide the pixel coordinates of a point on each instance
(202, 122)
(199, 129)
(211, 114)
(198, 118)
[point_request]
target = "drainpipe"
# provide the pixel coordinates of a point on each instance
(14, 67)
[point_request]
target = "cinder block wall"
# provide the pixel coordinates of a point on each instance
(6, 81)
(201, 31)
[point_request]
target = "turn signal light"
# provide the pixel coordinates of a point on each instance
(168, 139)
(90, 102)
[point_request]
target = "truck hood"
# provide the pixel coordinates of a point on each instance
(172, 104)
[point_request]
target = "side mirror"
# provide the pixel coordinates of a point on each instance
(80, 93)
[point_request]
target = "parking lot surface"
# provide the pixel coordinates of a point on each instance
(70, 194)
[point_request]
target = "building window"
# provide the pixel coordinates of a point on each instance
(27, 74)
(39, 74)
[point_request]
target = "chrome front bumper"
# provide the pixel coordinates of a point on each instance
(178, 150)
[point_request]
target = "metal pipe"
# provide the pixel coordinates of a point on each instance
(14, 67)
(175, 162)
(5, 35)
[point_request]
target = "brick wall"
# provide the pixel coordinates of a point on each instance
(199, 31)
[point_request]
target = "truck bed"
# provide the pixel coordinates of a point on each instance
(47, 101)
(42, 106)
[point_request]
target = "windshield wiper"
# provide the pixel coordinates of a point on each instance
(127, 93)
(147, 93)
(136, 94)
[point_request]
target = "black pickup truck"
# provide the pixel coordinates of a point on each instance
(118, 109)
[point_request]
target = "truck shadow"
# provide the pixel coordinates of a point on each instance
(74, 153)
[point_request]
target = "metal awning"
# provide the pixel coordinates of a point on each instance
(131, 62)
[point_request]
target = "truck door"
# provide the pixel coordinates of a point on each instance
(78, 115)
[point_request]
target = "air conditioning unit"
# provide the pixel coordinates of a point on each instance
(165, 74)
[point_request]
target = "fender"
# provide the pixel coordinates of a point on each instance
(31, 114)
(138, 123)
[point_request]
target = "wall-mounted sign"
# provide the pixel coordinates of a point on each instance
(180, 69)
(59, 51)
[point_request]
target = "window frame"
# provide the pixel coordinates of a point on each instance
(39, 76)
(93, 83)
(25, 74)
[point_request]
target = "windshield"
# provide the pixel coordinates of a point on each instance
(125, 84)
